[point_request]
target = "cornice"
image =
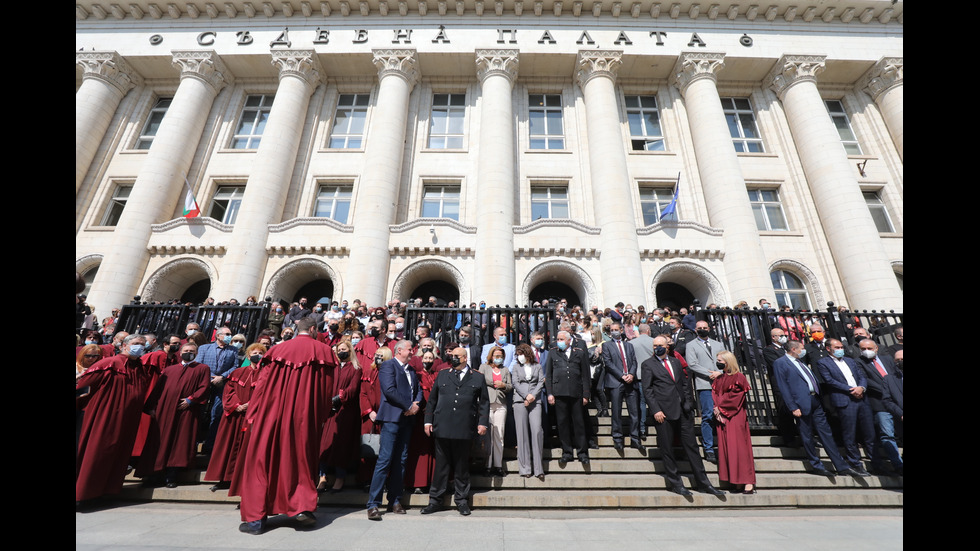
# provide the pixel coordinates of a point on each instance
(296, 250)
(439, 222)
(196, 221)
(310, 221)
(852, 12)
(556, 223)
(700, 254)
(680, 224)
(432, 251)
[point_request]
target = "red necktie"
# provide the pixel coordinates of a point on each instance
(669, 370)
(881, 370)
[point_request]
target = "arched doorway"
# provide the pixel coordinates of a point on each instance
(560, 279)
(673, 296)
(189, 279)
(444, 291)
(314, 291)
(307, 277)
(679, 283)
(554, 291)
(427, 278)
(197, 292)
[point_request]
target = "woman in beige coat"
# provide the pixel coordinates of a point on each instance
(498, 383)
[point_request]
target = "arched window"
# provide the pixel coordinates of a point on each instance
(789, 290)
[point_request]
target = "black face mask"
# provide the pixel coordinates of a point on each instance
(428, 365)
(188, 356)
(334, 327)
(255, 359)
(426, 349)
(721, 365)
(375, 332)
(173, 348)
(703, 333)
(379, 360)
(343, 354)
(455, 361)
(659, 351)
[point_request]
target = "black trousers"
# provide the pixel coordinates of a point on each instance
(452, 455)
(665, 442)
(571, 425)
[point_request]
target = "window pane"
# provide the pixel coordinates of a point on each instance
(554, 123)
(536, 118)
(559, 210)
(430, 209)
(343, 208)
(760, 217)
(636, 124)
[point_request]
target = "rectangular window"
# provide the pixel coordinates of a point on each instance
(767, 209)
(544, 114)
(440, 202)
(653, 200)
(333, 202)
(549, 202)
(348, 124)
(116, 205)
(741, 124)
(255, 114)
(878, 212)
(153, 123)
(226, 203)
(446, 128)
(839, 116)
(644, 121)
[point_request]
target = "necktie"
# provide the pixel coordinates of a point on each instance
(669, 370)
(622, 355)
(813, 382)
(708, 346)
(880, 368)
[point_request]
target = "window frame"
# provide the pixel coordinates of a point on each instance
(335, 199)
(659, 204)
(736, 114)
(259, 119)
(765, 206)
(784, 292)
(549, 200)
(144, 137)
(442, 199)
(451, 111)
(551, 142)
(115, 200)
(852, 146)
(234, 200)
(880, 205)
(642, 110)
(360, 104)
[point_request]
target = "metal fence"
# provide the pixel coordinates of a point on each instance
(164, 319)
(520, 323)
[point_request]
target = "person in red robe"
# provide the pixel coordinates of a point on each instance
(286, 413)
(111, 394)
(736, 464)
(370, 398)
(421, 462)
(341, 440)
(156, 361)
(177, 399)
(237, 393)
(94, 337)
(364, 350)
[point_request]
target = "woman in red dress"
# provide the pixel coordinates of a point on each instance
(736, 464)
(421, 460)
(370, 402)
(341, 438)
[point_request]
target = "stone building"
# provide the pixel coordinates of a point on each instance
(496, 150)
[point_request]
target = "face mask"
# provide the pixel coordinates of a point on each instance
(802, 353)
(521, 359)
(899, 364)
(173, 348)
(539, 342)
(343, 354)
(255, 359)
(355, 340)
(335, 308)
(187, 356)
(839, 353)
(502, 340)
(390, 335)
(191, 332)
(562, 345)
(426, 349)
(703, 333)
(673, 328)
(615, 334)
(580, 328)
(817, 335)
(226, 339)
(498, 361)
(659, 351)
(318, 309)
(238, 345)
(399, 326)
(88, 342)
(427, 365)
(720, 365)
(869, 354)
(334, 327)
(657, 318)
(782, 339)
(375, 332)
(278, 310)
(455, 361)
(378, 360)
(136, 350)
(482, 306)
(287, 336)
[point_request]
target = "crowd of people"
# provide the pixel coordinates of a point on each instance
(336, 388)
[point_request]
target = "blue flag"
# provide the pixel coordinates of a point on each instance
(671, 209)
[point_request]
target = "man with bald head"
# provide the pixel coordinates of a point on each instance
(568, 380)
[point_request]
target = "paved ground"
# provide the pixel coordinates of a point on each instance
(189, 526)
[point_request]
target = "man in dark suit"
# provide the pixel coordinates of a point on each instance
(846, 384)
(667, 390)
(458, 410)
(473, 351)
(680, 335)
(801, 392)
(784, 420)
(568, 382)
(619, 364)
(878, 368)
(401, 395)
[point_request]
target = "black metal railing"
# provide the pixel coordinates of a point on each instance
(520, 323)
(164, 319)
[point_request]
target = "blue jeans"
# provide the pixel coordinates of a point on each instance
(886, 439)
(391, 461)
(707, 420)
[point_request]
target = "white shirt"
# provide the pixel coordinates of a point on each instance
(846, 371)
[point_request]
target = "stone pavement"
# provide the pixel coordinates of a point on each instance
(161, 526)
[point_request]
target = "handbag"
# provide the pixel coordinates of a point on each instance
(370, 445)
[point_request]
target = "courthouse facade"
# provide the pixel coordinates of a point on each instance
(491, 150)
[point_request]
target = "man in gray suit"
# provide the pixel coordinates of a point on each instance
(643, 348)
(701, 356)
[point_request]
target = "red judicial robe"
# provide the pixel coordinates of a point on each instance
(364, 351)
(156, 361)
(421, 462)
(177, 429)
(341, 441)
(118, 387)
(288, 408)
(735, 462)
(228, 443)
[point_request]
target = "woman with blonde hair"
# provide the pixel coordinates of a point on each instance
(736, 464)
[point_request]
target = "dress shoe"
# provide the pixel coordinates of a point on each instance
(397, 508)
(306, 518)
(540, 477)
(680, 490)
(565, 458)
(593, 445)
(639, 447)
(171, 485)
(709, 489)
(618, 446)
(374, 514)
(431, 508)
(749, 492)
(821, 472)
(463, 509)
(710, 457)
(859, 471)
(584, 459)
(254, 527)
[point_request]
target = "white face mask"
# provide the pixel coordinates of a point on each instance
(869, 354)
(521, 359)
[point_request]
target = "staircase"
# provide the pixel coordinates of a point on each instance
(613, 480)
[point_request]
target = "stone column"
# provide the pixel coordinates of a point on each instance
(106, 78)
(861, 259)
(885, 83)
(265, 192)
(378, 186)
(495, 275)
(722, 183)
(160, 182)
(612, 196)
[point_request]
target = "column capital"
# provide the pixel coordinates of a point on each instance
(401, 63)
(204, 65)
(303, 64)
(793, 69)
(109, 67)
(882, 76)
(597, 63)
(502, 62)
(692, 66)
